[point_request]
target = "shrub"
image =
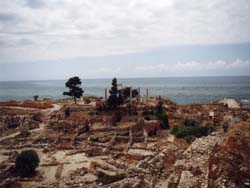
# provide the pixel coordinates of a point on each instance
(185, 132)
(67, 112)
(118, 116)
(159, 108)
(163, 120)
(35, 97)
(189, 122)
(91, 113)
(162, 116)
(174, 129)
(26, 163)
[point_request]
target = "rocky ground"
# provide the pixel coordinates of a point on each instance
(124, 155)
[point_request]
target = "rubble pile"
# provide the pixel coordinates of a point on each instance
(6, 178)
(191, 169)
(17, 122)
(229, 163)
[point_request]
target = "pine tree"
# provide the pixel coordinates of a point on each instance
(75, 90)
(113, 100)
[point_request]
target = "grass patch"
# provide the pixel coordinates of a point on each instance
(91, 97)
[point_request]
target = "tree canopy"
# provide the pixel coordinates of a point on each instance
(113, 100)
(75, 90)
(162, 116)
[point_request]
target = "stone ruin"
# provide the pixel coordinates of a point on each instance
(6, 177)
(17, 121)
(130, 154)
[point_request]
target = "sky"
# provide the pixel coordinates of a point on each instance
(56, 39)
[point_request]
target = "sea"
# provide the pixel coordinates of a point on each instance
(182, 90)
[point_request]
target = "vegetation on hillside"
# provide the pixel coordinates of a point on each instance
(162, 116)
(185, 132)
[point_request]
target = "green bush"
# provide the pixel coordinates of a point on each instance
(26, 163)
(162, 116)
(174, 129)
(163, 120)
(91, 113)
(183, 132)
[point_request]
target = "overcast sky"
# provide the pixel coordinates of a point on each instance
(54, 39)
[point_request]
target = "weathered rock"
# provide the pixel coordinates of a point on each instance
(229, 163)
(106, 177)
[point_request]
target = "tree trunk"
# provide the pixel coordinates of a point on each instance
(75, 99)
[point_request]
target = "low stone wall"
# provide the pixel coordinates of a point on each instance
(121, 139)
(138, 139)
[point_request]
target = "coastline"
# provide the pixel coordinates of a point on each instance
(180, 90)
(47, 103)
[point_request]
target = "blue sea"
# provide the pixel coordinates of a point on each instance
(181, 90)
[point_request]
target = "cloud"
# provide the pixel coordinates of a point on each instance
(7, 17)
(69, 28)
(24, 42)
(101, 68)
(107, 70)
(35, 3)
(194, 68)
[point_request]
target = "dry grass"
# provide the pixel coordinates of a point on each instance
(29, 104)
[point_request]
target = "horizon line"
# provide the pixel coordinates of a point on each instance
(153, 77)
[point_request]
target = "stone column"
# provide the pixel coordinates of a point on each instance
(139, 95)
(147, 95)
(106, 94)
(122, 92)
(130, 95)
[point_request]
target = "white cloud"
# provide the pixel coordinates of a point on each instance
(70, 28)
(195, 68)
(105, 71)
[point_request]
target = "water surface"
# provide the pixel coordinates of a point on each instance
(181, 90)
